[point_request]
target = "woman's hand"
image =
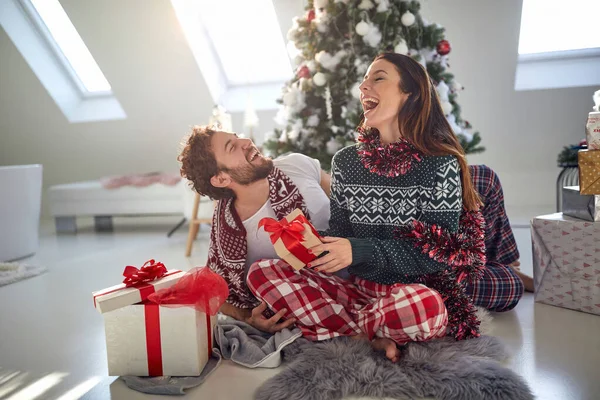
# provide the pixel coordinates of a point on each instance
(339, 257)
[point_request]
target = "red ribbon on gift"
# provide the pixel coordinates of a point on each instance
(150, 271)
(276, 228)
(153, 344)
(201, 289)
(290, 234)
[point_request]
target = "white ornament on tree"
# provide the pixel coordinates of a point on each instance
(294, 133)
(361, 67)
(455, 127)
(362, 28)
(282, 116)
(373, 37)
(291, 34)
(321, 21)
(408, 19)
(429, 54)
(284, 137)
(447, 107)
(292, 50)
(328, 61)
(333, 146)
(365, 5)
(355, 91)
(443, 91)
(312, 66)
(467, 134)
(457, 87)
(401, 48)
(320, 3)
(312, 121)
(319, 79)
(344, 112)
(382, 5)
(294, 98)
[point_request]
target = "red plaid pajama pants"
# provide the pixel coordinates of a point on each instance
(326, 306)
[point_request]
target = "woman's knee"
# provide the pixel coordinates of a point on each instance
(430, 312)
(511, 300)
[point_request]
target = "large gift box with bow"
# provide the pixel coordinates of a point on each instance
(566, 262)
(160, 322)
(292, 237)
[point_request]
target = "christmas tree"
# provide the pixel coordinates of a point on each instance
(335, 42)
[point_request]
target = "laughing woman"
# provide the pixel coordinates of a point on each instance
(406, 174)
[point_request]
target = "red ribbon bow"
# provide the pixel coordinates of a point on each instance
(278, 228)
(150, 271)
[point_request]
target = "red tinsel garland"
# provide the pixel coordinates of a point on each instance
(464, 252)
(389, 160)
(462, 318)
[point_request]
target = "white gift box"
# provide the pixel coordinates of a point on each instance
(566, 262)
(153, 340)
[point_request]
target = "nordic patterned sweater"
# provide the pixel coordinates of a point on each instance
(366, 208)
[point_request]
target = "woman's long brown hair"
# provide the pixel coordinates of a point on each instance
(422, 121)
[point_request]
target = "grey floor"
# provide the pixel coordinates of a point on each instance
(52, 338)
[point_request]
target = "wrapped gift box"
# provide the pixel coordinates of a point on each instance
(589, 171)
(592, 131)
(566, 262)
(292, 237)
(145, 339)
(577, 205)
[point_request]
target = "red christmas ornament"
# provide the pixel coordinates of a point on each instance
(443, 47)
(311, 15)
(303, 72)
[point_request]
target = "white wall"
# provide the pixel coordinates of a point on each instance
(142, 51)
(523, 131)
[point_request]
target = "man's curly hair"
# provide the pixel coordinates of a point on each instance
(198, 163)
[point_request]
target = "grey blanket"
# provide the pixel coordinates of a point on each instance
(442, 369)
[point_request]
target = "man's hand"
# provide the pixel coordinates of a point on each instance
(270, 325)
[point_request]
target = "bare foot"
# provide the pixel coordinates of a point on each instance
(388, 346)
(527, 281)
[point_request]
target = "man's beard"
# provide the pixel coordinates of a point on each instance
(251, 173)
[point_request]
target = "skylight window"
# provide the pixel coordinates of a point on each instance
(239, 48)
(559, 26)
(69, 44)
(250, 51)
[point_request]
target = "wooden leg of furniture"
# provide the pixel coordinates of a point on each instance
(193, 226)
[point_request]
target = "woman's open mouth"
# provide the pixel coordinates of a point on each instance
(369, 103)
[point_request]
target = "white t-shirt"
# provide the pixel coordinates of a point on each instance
(305, 172)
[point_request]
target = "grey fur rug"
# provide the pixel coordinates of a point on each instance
(442, 369)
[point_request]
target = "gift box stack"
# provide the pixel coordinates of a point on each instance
(160, 322)
(566, 246)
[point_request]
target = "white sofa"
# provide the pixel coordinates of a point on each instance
(72, 200)
(20, 205)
